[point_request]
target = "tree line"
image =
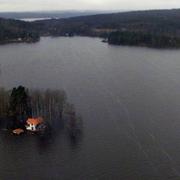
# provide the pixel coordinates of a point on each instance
(158, 40)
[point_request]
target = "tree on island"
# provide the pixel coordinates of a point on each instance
(19, 106)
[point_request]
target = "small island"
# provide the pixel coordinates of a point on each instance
(36, 111)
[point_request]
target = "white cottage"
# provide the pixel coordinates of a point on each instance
(32, 123)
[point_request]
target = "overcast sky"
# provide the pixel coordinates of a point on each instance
(32, 5)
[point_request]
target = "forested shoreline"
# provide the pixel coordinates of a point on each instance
(15, 31)
(144, 39)
(153, 28)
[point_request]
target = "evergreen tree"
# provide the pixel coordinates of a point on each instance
(19, 107)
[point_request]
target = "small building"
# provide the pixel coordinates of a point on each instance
(33, 123)
(18, 131)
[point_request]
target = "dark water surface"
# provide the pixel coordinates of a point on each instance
(129, 99)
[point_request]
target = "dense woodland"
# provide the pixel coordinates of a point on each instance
(166, 21)
(132, 38)
(157, 28)
(17, 31)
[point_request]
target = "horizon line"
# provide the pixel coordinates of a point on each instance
(88, 10)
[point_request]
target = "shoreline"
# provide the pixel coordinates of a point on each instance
(29, 41)
(11, 41)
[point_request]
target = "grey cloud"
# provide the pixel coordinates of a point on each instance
(25, 5)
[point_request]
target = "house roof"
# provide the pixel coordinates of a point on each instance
(35, 121)
(18, 131)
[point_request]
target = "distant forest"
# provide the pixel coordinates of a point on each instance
(149, 39)
(17, 31)
(155, 28)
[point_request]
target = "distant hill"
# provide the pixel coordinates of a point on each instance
(153, 23)
(154, 20)
(48, 14)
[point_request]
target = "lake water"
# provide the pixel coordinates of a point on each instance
(35, 19)
(128, 97)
